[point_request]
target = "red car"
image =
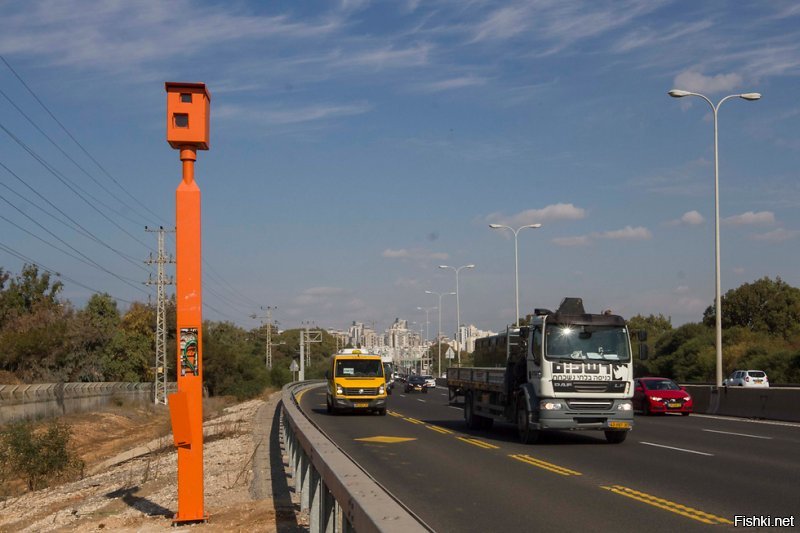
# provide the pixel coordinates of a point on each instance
(660, 395)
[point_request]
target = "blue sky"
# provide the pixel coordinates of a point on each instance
(357, 145)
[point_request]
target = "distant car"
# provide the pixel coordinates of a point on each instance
(660, 395)
(430, 381)
(416, 383)
(747, 378)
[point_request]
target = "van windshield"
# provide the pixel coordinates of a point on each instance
(358, 368)
(601, 343)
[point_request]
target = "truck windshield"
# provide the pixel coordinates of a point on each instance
(358, 368)
(602, 343)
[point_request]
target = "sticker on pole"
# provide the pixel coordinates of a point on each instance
(189, 352)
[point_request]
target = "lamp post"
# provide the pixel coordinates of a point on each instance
(516, 256)
(439, 335)
(676, 93)
(427, 322)
(458, 309)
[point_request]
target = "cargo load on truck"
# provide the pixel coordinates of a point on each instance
(565, 370)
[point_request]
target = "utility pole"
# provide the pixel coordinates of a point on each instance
(309, 337)
(268, 351)
(160, 388)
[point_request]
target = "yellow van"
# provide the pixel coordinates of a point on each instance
(356, 382)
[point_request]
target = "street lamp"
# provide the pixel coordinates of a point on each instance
(458, 309)
(427, 328)
(439, 335)
(516, 255)
(676, 93)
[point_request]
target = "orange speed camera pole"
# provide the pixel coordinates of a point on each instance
(187, 131)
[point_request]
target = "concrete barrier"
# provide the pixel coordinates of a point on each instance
(48, 400)
(770, 404)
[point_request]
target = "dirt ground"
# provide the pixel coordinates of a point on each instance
(130, 477)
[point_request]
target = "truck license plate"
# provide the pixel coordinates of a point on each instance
(619, 425)
(361, 404)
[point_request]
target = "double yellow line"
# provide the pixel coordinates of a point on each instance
(545, 465)
(667, 505)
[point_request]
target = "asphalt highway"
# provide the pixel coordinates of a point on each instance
(673, 473)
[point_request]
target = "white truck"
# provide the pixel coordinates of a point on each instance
(566, 370)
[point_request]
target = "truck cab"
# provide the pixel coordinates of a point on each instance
(356, 382)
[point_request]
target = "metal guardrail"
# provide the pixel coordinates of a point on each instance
(338, 494)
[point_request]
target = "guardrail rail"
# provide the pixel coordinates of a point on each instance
(338, 494)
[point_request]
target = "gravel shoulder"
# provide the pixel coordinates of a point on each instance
(130, 478)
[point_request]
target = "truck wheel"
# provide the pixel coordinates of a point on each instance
(469, 414)
(486, 423)
(527, 435)
(616, 437)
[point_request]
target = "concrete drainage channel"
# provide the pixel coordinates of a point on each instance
(338, 495)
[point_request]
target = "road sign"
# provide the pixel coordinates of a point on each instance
(294, 366)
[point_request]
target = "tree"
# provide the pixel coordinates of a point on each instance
(26, 293)
(765, 305)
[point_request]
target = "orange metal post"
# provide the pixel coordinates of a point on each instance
(190, 339)
(187, 130)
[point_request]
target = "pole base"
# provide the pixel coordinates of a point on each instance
(184, 520)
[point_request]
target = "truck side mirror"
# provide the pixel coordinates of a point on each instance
(643, 351)
(327, 374)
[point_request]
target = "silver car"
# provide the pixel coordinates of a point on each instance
(430, 381)
(747, 378)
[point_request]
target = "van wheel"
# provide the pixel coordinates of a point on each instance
(527, 435)
(382, 411)
(328, 407)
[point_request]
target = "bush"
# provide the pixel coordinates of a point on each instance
(40, 457)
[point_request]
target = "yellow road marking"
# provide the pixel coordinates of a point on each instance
(413, 420)
(385, 440)
(439, 430)
(300, 395)
(479, 443)
(545, 465)
(667, 505)
(398, 415)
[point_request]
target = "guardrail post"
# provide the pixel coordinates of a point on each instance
(304, 481)
(314, 498)
(327, 509)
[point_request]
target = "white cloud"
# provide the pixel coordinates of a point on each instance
(291, 116)
(534, 216)
(450, 84)
(692, 218)
(776, 235)
(502, 24)
(750, 219)
(580, 240)
(387, 58)
(691, 80)
(627, 233)
(413, 253)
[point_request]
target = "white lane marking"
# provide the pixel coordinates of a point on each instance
(451, 407)
(738, 434)
(420, 400)
(677, 449)
(736, 419)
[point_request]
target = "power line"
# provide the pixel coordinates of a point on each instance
(28, 260)
(77, 224)
(70, 185)
(65, 154)
(86, 152)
